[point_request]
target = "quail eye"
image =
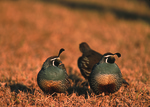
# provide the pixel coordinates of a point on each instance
(111, 60)
(56, 63)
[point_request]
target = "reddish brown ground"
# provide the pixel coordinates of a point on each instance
(32, 31)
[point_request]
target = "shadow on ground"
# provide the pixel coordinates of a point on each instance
(80, 86)
(19, 87)
(120, 14)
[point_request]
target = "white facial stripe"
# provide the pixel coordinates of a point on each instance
(53, 63)
(106, 60)
(53, 60)
(107, 56)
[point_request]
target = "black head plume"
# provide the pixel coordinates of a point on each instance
(61, 50)
(118, 54)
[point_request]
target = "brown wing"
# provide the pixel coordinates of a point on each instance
(87, 61)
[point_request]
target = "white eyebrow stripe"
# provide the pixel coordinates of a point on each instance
(108, 55)
(54, 59)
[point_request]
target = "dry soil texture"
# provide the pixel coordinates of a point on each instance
(31, 31)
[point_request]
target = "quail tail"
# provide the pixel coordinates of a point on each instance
(125, 82)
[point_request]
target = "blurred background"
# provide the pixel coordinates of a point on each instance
(33, 30)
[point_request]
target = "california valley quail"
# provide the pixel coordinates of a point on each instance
(88, 59)
(106, 76)
(53, 76)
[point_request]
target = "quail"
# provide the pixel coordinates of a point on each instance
(53, 76)
(106, 76)
(88, 59)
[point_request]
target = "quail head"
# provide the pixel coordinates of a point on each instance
(88, 59)
(106, 76)
(53, 76)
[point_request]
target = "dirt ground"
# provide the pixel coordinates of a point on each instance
(31, 31)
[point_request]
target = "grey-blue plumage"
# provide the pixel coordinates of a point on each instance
(106, 75)
(53, 76)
